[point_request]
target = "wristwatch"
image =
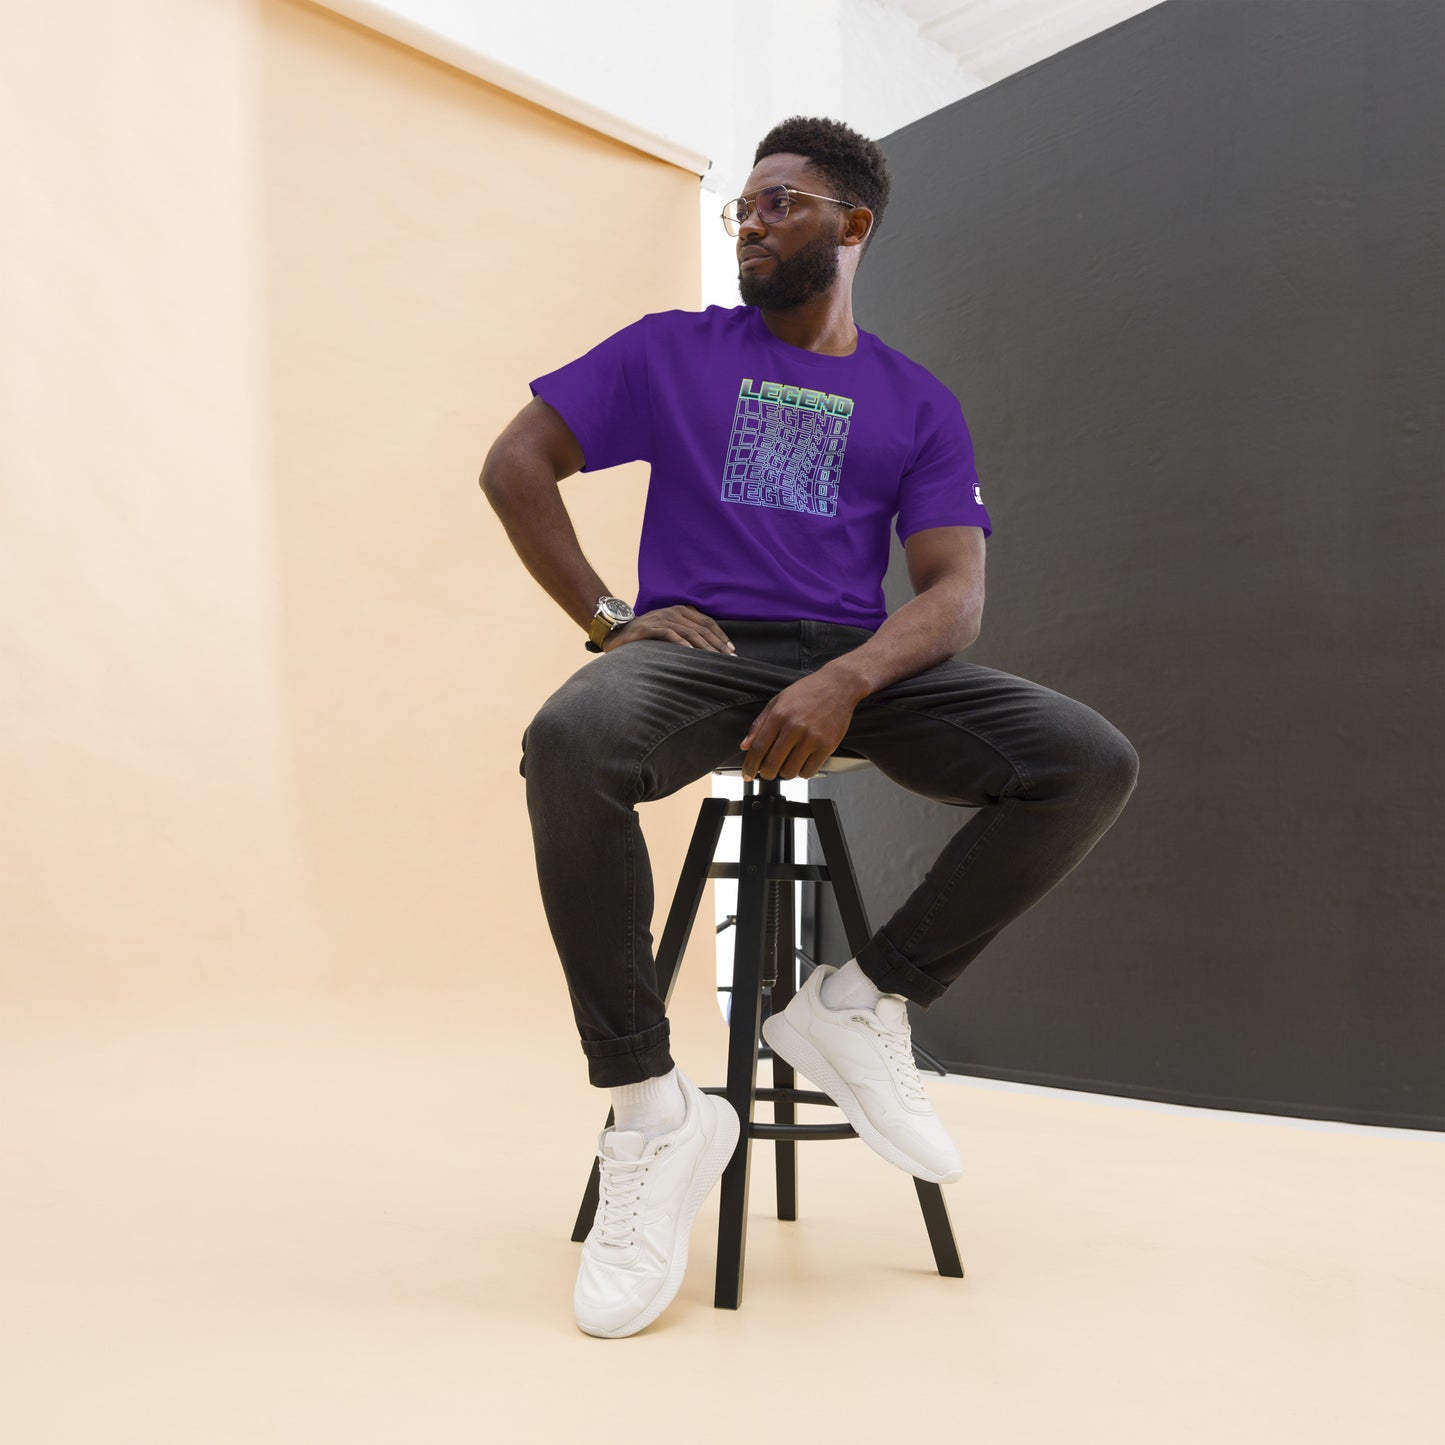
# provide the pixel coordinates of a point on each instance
(611, 613)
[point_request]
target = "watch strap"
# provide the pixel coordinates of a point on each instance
(598, 633)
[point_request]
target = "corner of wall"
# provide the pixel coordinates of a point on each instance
(891, 73)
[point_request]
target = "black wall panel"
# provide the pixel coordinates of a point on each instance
(1186, 278)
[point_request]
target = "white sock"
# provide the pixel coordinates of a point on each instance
(850, 987)
(653, 1107)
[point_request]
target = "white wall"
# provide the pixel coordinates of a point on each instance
(713, 75)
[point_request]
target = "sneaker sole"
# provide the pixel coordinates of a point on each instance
(714, 1160)
(785, 1040)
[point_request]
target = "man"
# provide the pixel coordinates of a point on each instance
(784, 443)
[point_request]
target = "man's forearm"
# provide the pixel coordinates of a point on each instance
(526, 498)
(934, 626)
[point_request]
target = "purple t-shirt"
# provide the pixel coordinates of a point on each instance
(775, 471)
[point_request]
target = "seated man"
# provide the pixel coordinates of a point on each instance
(784, 442)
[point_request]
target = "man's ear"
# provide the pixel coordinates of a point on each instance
(857, 226)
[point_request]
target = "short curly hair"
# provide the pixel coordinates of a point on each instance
(853, 164)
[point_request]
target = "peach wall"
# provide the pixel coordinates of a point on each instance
(275, 285)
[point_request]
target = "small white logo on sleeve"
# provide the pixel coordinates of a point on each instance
(977, 494)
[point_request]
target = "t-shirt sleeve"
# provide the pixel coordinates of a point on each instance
(940, 488)
(603, 398)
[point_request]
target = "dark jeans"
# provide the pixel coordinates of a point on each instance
(1047, 774)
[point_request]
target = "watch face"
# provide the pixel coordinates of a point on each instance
(615, 610)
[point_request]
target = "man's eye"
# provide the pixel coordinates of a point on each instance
(774, 203)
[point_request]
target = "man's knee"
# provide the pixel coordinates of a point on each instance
(1109, 766)
(1095, 762)
(1122, 765)
(555, 736)
(585, 738)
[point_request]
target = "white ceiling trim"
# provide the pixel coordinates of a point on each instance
(996, 38)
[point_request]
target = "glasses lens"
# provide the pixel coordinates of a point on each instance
(773, 204)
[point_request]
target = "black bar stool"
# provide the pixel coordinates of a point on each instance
(764, 961)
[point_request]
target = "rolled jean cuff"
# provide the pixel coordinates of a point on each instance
(614, 1062)
(893, 973)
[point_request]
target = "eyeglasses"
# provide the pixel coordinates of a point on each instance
(772, 205)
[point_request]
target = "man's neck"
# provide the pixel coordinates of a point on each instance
(824, 324)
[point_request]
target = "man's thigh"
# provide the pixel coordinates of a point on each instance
(654, 713)
(966, 734)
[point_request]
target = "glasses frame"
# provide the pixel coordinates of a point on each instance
(733, 226)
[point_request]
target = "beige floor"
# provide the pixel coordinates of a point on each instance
(293, 1220)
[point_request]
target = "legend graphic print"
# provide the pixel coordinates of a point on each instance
(787, 448)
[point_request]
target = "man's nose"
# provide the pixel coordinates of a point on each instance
(753, 226)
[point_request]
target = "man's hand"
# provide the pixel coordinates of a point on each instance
(685, 625)
(800, 728)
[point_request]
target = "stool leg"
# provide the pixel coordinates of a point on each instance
(745, 1019)
(839, 863)
(785, 965)
(855, 924)
(691, 884)
(940, 1231)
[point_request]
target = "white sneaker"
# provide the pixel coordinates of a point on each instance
(635, 1256)
(863, 1060)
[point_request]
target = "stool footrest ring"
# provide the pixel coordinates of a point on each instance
(802, 1131)
(761, 1130)
(777, 872)
(779, 1096)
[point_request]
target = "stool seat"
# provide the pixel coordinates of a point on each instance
(765, 968)
(838, 763)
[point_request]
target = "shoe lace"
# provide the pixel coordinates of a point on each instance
(619, 1208)
(898, 1046)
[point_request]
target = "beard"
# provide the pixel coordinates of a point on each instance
(810, 272)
